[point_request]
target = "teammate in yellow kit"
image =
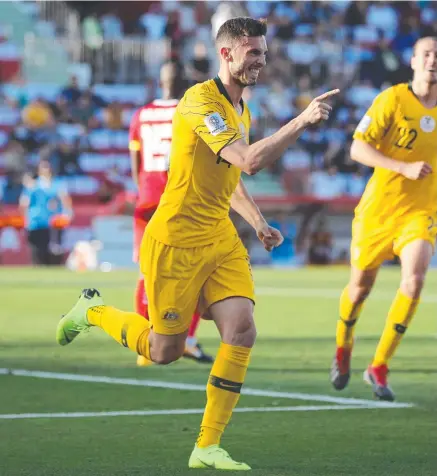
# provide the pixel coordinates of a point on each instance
(397, 214)
(191, 252)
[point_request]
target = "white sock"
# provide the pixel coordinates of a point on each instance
(191, 341)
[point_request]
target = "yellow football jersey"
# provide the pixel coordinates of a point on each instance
(194, 209)
(401, 128)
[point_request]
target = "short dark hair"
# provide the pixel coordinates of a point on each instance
(431, 37)
(239, 27)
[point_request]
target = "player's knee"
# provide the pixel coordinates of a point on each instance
(167, 353)
(359, 293)
(242, 333)
(243, 338)
(412, 285)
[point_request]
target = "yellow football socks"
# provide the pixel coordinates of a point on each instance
(223, 391)
(401, 312)
(349, 314)
(127, 328)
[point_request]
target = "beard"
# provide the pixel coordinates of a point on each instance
(430, 77)
(240, 78)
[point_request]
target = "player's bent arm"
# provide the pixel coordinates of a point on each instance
(255, 157)
(366, 154)
(259, 155)
(243, 204)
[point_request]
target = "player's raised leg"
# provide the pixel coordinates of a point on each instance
(127, 328)
(351, 303)
(415, 259)
(171, 306)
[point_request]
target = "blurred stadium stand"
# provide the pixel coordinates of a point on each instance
(72, 74)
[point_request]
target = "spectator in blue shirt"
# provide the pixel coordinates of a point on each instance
(72, 92)
(42, 199)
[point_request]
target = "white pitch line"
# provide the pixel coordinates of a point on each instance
(198, 388)
(285, 290)
(185, 411)
(327, 293)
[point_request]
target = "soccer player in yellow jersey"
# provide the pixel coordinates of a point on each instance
(397, 214)
(191, 252)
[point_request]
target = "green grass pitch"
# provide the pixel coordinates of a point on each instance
(296, 313)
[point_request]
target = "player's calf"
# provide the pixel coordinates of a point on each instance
(351, 302)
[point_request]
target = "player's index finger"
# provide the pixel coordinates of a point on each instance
(328, 94)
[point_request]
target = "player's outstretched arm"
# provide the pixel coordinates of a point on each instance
(255, 157)
(244, 205)
(368, 155)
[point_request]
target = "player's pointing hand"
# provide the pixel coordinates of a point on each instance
(318, 110)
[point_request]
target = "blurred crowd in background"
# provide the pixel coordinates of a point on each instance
(360, 47)
(73, 73)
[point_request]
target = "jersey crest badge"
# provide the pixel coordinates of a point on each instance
(215, 124)
(427, 123)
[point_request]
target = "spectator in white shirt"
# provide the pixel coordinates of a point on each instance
(327, 184)
(356, 183)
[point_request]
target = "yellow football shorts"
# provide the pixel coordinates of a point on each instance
(373, 243)
(178, 279)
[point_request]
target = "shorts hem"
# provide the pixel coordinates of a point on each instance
(229, 297)
(398, 250)
(171, 332)
(367, 268)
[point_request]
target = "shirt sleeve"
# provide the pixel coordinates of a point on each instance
(378, 118)
(206, 114)
(134, 133)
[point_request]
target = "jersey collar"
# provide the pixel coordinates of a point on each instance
(222, 89)
(410, 88)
